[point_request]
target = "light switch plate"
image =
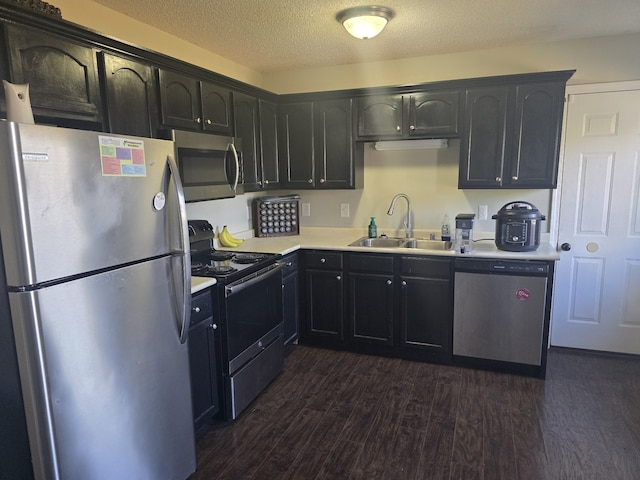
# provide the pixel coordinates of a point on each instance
(306, 209)
(344, 209)
(483, 212)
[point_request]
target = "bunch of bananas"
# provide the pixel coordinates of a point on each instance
(227, 240)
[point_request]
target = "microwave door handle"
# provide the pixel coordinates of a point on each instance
(235, 155)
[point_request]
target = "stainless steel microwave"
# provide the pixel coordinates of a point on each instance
(209, 165)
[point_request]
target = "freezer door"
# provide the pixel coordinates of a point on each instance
(105, 376)
(74, 201)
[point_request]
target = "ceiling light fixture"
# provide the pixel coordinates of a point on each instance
(365, 22)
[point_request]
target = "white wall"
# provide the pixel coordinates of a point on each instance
(428, 177)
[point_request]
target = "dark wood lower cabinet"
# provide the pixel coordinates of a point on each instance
(323, 299)
(290, 298)
(203, 363)
(392, 305)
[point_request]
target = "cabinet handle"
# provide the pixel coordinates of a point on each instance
(323, 260)
(196, 309)
(266, 182)
(338, 277)
(389, 282)
(322, 180)
(412, 127)
(209, 122)
(514, 178)
(398, 128)
(198, 120)
(403, 283)
(214, 326)
(310, 180)
(498, 179)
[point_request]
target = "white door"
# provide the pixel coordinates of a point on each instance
(596, 302)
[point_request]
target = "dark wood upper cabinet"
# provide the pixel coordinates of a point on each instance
(62, 75)
(380, 116)
(317, 148)
(130, 93)
(216, 108)
(297, 145)
(511, 136)
(246, 118)
(192, 104)
(270, 171)
(408, 115)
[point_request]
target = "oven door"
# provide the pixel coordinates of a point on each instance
(253, 315)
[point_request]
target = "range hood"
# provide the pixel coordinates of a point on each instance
(411, 144)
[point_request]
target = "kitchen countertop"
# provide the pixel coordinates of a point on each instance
(200, 283)
(325, 238)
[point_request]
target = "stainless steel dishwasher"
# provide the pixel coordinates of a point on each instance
(500, 310)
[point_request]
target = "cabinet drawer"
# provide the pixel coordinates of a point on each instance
(290, 264)
(201, 307)
(324, 260)
(425, 266)
(371, 263)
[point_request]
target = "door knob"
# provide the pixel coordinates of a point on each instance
(565, 247)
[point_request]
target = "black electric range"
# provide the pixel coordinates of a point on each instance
(223, 265)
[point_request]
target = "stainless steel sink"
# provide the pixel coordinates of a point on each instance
(393, 242)
(428, 244)
(379, 242)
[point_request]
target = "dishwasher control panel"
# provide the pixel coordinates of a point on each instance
(511, 267)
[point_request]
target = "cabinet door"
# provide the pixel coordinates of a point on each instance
(204, 372)
(245, 110)
(324, 305)
(334, 162)
(179, 100)
(380, 116)
(296, 150)
(269, 144)
(216, 108)
(426, 316)
(370, 308)
(536, 138)
(482, 145)
(433, 113)
(130, 94)
(62, 75)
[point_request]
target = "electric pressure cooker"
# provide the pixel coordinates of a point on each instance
(518, 227)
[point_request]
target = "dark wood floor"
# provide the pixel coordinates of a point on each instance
(336, 415)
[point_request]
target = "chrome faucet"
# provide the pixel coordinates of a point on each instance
(407, 223)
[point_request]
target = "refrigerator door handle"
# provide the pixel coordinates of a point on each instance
(184, 303)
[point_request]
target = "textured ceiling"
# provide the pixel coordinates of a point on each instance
(268, 35)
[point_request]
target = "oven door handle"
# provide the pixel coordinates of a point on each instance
(251, 280)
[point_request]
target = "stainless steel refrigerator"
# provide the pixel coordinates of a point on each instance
(96, 293)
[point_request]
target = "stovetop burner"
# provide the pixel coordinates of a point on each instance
(219, 255)
(245, 258)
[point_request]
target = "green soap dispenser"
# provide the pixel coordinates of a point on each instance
(373, 229)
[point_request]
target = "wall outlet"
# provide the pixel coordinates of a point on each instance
(483, 212)
(344, 209)
(306, 209)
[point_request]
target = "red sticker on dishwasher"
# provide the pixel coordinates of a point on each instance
(523, 294)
